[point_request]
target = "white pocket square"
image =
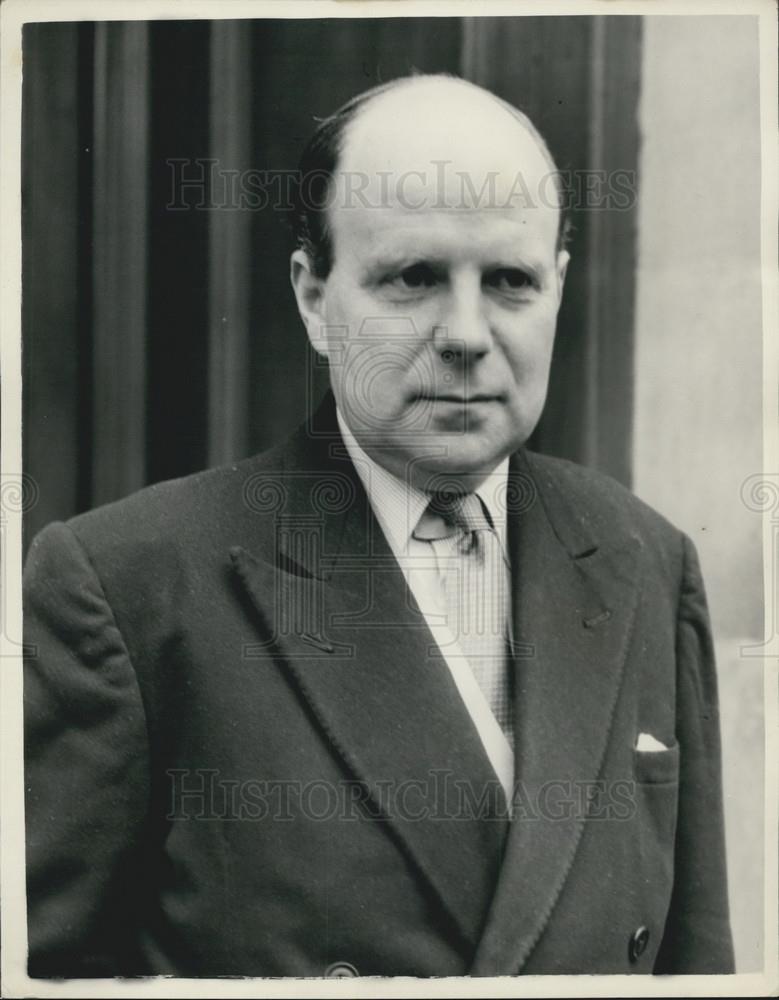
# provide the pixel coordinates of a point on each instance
(647, 743)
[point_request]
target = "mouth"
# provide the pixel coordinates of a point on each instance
(461, 399)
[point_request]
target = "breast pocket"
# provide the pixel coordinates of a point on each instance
(656, 775)
(656, 767)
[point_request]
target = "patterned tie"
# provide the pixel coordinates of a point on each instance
(476, 584)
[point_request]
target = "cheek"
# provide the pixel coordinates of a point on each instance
(528, 348)
(336, 311)
(382, 377)
(378, 359)
(368, 317)
(369, 372)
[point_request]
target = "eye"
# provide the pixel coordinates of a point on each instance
(510, 280)
(415, 276)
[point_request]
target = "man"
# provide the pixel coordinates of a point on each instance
(397, 697)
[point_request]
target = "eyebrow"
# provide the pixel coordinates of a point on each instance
(383, 261)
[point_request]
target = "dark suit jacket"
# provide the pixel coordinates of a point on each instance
(245, 755)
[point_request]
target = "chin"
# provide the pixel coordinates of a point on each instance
(466, 459)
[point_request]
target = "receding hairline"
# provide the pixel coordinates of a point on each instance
(372, 97)
(322, 161)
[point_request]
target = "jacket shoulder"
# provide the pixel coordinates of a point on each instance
(598, 504)
(204, 504)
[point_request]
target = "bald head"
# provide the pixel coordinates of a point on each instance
(441, 117)
(419, 142)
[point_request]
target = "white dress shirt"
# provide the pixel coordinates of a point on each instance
(398, 507)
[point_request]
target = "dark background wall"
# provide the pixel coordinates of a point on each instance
(159, 340)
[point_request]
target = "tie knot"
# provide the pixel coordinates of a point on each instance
(459, 511)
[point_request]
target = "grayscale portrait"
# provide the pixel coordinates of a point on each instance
(392, 412)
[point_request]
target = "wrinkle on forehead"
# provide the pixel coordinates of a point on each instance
(385, 235)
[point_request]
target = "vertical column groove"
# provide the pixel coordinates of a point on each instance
(120, 200)
(229, 242)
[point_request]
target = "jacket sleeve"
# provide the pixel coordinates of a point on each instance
(86, 767)
(697, 937)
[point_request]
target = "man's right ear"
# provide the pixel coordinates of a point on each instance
(309, 294)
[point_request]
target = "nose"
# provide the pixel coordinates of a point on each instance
(464, 331)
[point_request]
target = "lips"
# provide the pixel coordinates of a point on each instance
(463, 400)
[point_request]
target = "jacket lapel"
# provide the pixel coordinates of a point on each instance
(337, 613)
(574, 607)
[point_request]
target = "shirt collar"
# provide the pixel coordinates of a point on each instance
(399, 505)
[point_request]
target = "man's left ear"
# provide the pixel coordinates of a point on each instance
(563, 258)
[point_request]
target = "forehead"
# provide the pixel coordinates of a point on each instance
(442, 162)
(394, 236)
(435, 118)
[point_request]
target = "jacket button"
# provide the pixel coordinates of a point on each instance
(341, 970)
(638, 942)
